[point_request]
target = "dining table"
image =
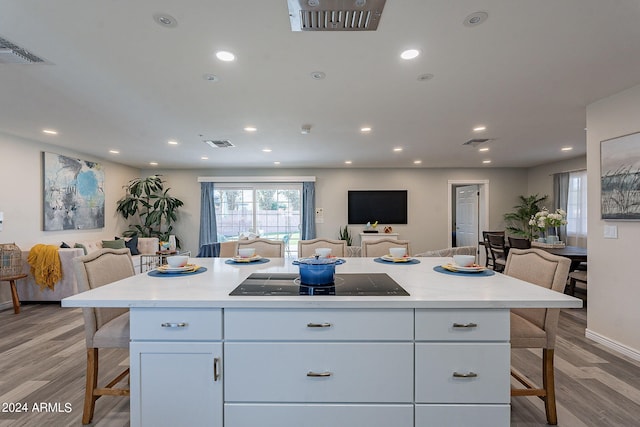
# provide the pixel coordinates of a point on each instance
(576, 254)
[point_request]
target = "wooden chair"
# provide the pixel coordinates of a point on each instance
(380, 247)
(498, 251)
(487, 252)
(307, 248)
(519, 243)
(537, 327)
(104, 327)
(14, 291)
(449, 252)
(576, 277)
(264, 247)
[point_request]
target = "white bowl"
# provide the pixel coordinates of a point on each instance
(246, 252)
(398, 252)
(323, 252)
(464, 260)
(177, 261)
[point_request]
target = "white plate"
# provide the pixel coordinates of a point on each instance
(238, 258)
(463, 269)
(167, 269)
(389, 258)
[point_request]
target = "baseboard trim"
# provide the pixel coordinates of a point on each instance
(613, 345)
(6, 304)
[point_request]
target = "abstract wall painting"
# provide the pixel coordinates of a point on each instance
(620, 178)
(73, 193)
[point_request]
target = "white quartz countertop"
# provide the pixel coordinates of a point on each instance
(427, 289)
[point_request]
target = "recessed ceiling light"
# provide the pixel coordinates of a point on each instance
(114, 151)
(417, 162)
(479, 128)
(173, 142)
(483, 149)
(397, 149)
(486, 161)
(348, 162)
(276, 163)
(223, 55)
(567, 148)
(153, 163)
(250, 129)
(165, 20)
(266, 150)
(365, 129)
(50, 131)
(204, 158)
(410, 54)
(475, 19)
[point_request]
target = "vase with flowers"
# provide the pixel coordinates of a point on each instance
(549, 222)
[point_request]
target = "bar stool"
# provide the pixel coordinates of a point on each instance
(14, 291)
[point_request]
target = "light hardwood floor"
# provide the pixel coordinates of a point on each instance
(42, 362)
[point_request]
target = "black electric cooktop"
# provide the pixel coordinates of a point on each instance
(360, 284)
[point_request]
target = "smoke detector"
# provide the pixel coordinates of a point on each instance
(335, 15)
(219, 143)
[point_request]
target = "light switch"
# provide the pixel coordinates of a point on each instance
(610, 231)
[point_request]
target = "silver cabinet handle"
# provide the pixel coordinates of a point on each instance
(465, 325)
(319, 374)
(319, 325)
(216, 371)
(467, 375)
(174, 325)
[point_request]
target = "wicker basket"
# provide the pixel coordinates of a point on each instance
(10, 260)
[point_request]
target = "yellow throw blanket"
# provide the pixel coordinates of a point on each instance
(45, 265)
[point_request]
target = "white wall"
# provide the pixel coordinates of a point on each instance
(541, 177)
(427, 228)
(613, 276)
(21, 197)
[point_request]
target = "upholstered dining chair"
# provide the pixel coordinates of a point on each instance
(264, 247)
(307, 248)
(104, 327)
(449, 252)
(498, 251)
(488, 258)
(380, 247)
(537, 327)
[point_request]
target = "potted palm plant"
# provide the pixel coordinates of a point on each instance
(147, 200)
(518, 220)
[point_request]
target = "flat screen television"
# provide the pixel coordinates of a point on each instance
(384, 206)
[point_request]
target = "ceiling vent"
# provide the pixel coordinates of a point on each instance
(219, 143)
(476, 141)
(13, 54)
(335, 15)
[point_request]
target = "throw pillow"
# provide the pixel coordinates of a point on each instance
(113, 244)
(64, 245)
(132, 244)
(81, 246)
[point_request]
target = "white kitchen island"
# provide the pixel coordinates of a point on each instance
(439, 356)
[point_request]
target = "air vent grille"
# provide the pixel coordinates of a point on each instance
(335, 15)
(219, 143)
(476, 141)
(13, 54)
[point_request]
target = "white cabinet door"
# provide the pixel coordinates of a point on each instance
(176, 384)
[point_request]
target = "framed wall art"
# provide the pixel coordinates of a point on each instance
(620, 178)
(73, 193)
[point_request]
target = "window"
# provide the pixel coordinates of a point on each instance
(271, 211)
(577, 209)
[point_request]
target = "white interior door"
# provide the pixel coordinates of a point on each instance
(467, 215)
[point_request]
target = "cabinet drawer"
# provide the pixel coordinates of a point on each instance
(310, 415)
(176, 324)
(462, 373)
(319, 372)
(463, 415)
(462, 325)
(318, 324)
